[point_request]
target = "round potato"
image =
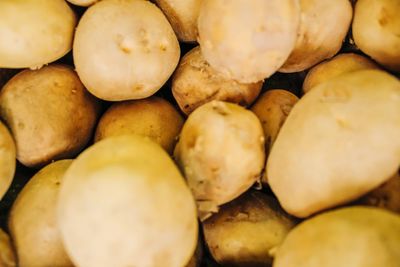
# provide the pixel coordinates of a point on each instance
(124, 49)
(340, 64)
(125, 192)
(323, 28)
(380, 19)
(49, 112)
(355, 236)
(7, 159)
(195, 83)
(83, 2)
(248, 40)
(34, 32)
(339, 142)
(153, 117)
(33, 221)
(7, 257)
(246, 231)
(214, 128)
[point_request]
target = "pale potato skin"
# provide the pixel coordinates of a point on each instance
(148, 217)
(376, 31)
(136, 49)
(214, 128)
(323, 28)
(195, 83)
(7, 159)
(49, 113)
(154, 117)
(246, 231)
(182, 14)
(339, 142)
(340, 64)
(355, 236)
(248, 40)
(83, 2)
(33, 221)
(7, 256)
(34, 32)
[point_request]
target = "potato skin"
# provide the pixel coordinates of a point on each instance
(32, 222)
(7, 159)
(7, 256)
(195, 83)
(339, 142)
(34, 32)
(153, 117)
(49, 113)
(136, 49)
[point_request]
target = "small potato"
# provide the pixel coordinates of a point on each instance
(182, 14)
(83, 2)
(124, 49)
(247, 231)
(32, 220)
(221, 153)
(34, 32)
(7, 257)
(340, 64)
(153, 117)
(7, 159)
(195, 83)
(49, 112)
(376, 31)
(248, 40)
(323, 28)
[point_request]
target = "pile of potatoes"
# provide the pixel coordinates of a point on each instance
(199, 133)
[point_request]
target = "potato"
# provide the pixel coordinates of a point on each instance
(246, 231)
(195, 83)
(33, 221)
(7, 159)
(376, 31)
(248, 40)
(49, 113)
(123, 202)
(153, 117)
(34, 32)
(323, 28)
(340, 64)
(7, 257)
(354, 237)
(182, 14)
(83, 2)
(339, 142)
(221, 153)
(124, 49)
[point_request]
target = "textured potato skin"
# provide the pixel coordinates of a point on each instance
(153, 117)
(49, 113)
(136, 49)
(195, 83)
(7, 256)
(339, 142)
(7, 159)
(34, 32)
(32, 220)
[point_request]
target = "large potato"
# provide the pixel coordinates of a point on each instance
(49, 112)
(33, 221)
(123, 202)
(195, 82)
(124, 49)
(221, 153)
(34, 32)
(339, 142)
(376, 30)
(7, 257)
(351, 237)
(323, 27)
(248, 40)
(7, 159)
(153, 117)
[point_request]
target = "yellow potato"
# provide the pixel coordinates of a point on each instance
(49, 112)
(123, 202)
(34, 32)
(83, 2)
(195, 83)
(153, 117)
(32, 222)
(124, 49)
(339, 142)
(7, 257)
(7, 159)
